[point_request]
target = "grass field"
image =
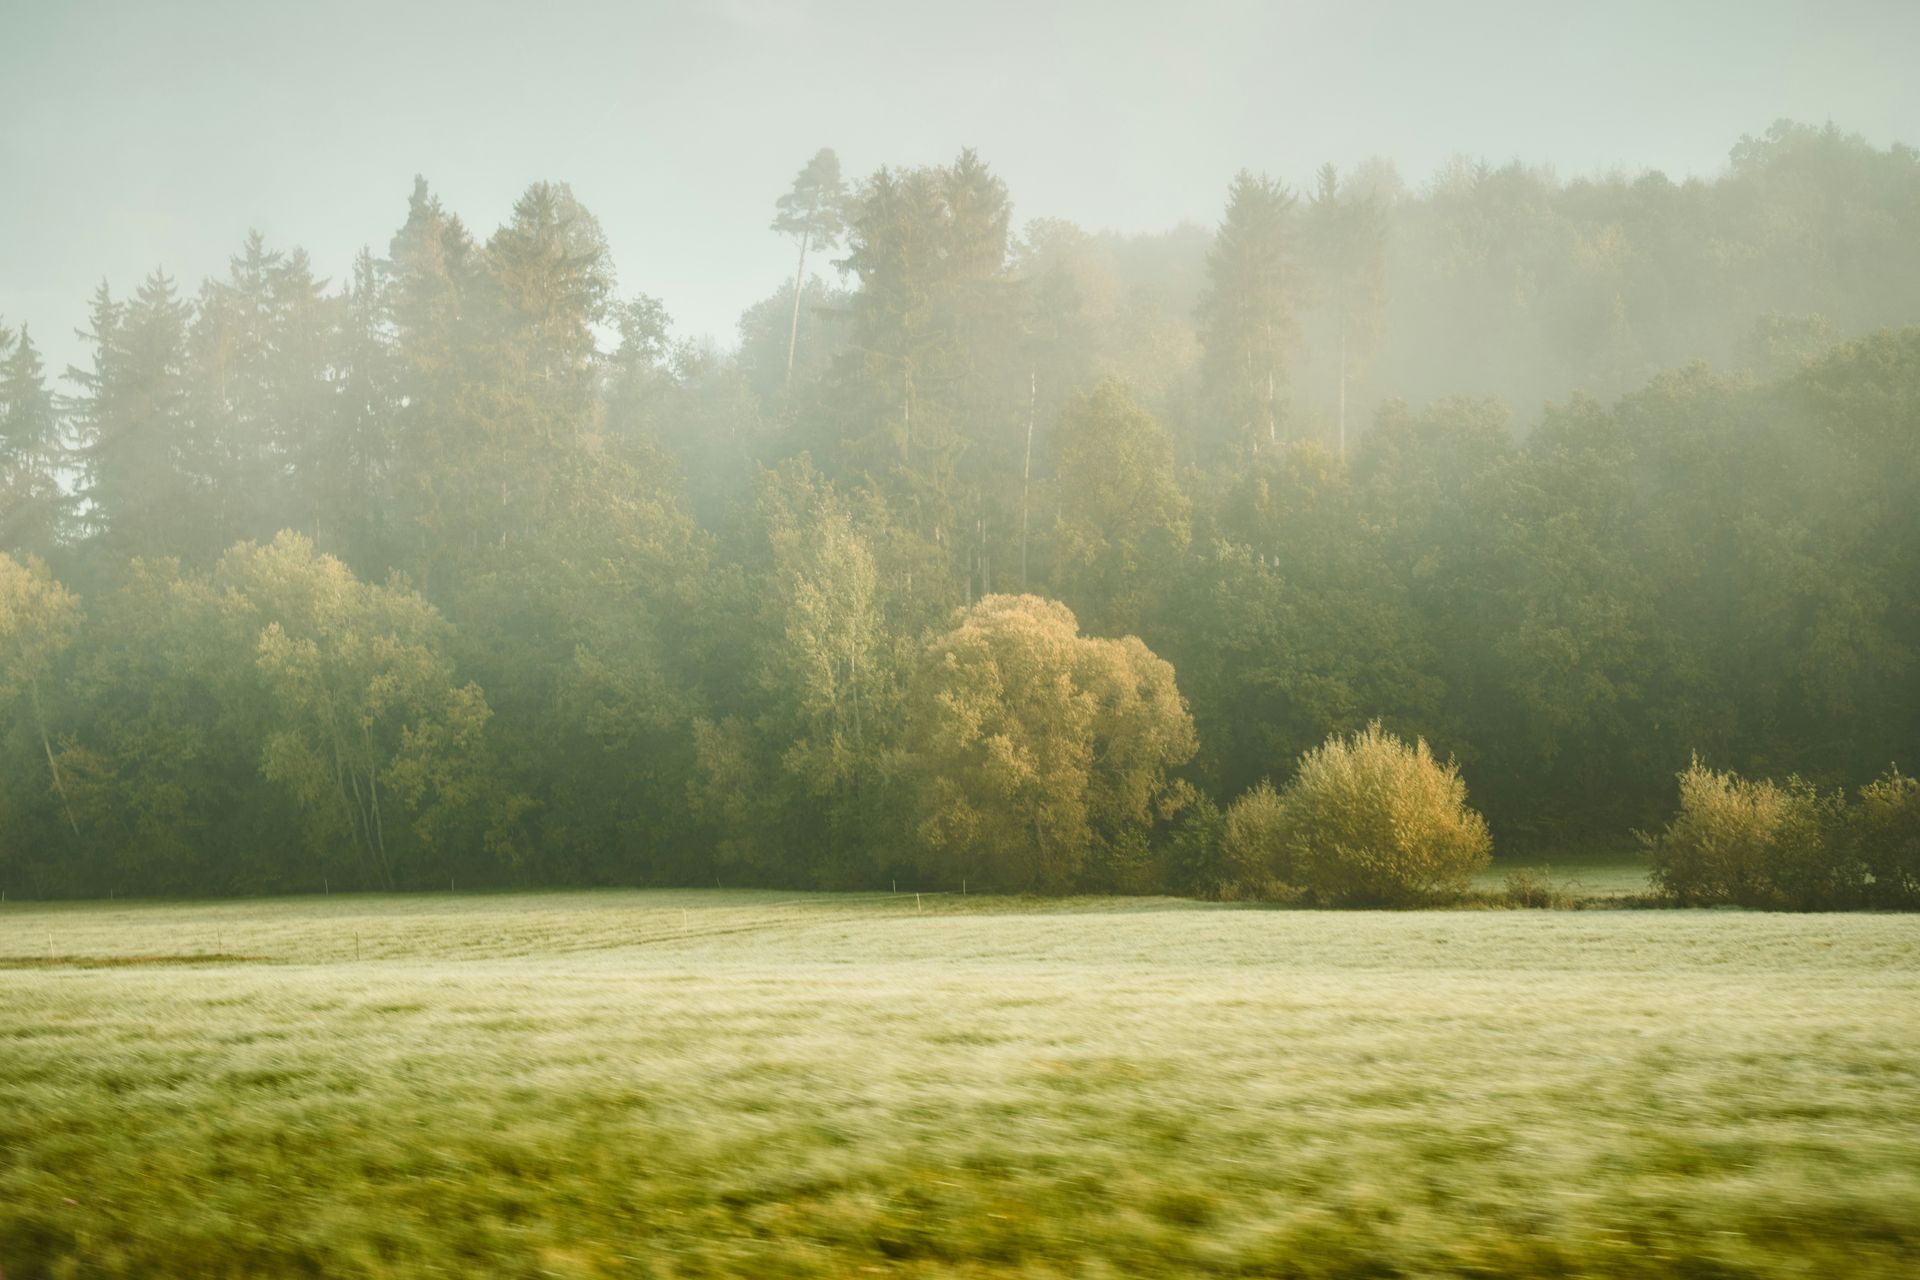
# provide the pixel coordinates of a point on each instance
(1592, 876)
(705, 1084)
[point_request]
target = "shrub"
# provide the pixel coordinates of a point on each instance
(1371, 820)
(1032, 752)
(1885, 834)
(1190, 862)
(1253, 852)
(1525, 888)
(1755, 844)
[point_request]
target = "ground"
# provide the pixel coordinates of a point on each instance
(755, 1084)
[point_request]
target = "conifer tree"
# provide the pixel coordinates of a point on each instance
(1347, 237)
(1246, 316)
(33, 505)
(813, 212)
(141, 471)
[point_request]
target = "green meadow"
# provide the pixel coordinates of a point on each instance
(681, 1084)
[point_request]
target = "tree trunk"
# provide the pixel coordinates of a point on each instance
(366, 824)
(986, 562)
(1026, 476)
(793, 330)
(906, 418)
(1343, 386)
(53, 765)
(1272, 432)
(1272, 435)
(361, 847)
(373, 786)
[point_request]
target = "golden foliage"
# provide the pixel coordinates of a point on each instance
(1030, 745)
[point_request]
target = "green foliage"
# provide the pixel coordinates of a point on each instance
(35, 509)
(1122, 522)
(689, 672)
(368, 715)
(164, 744)
(1371, 820)
(1255, 860)
(1190, 858)
(1755, 844)
(1885, 835)
(39, 620)
(792, 781)
(1525, 888)
(1246, 317)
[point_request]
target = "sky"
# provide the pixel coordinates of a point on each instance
(151, 133)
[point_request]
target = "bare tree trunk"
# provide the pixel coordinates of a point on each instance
(373, 786)
(53, 765)
(1343, 386)
(1272, 432)
(793, 330)
(1026, 476)
(853, 673)
(362, 847)
(366, 824)
(1272, 437)
(906, 419)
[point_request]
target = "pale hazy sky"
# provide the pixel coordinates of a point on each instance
(149, 133)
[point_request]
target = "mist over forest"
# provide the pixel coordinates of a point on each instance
(996, 548)
(821, 638)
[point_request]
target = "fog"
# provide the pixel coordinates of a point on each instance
(136, 135)
(999, 639)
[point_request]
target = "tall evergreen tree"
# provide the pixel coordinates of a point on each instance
(1347, 238)
(349, 472)
(813, 213)
(141, 472)
(33, 504)
(433, 273)
(1246, 316)
(924, 382)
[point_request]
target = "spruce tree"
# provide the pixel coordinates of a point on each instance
(1246, 315)
(33, 504)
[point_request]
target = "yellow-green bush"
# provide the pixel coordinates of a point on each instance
(1253, 847)
(1372, 820)
(1755, 844)
(1885, 830)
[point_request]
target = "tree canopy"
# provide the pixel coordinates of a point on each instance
(452, 560)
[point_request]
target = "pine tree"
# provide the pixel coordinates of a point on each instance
(1347, 235)
(140, 474)
(814, 214)
(1246, 315)
(33, 505)
(347, 476)
(432, 274)
(926, 374)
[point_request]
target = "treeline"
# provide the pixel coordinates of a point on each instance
(994, 559)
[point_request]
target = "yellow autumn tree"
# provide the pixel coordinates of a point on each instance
(1034, 753)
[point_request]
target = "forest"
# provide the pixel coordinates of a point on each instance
(1001, 551)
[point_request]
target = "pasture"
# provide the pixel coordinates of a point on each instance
(682, 1084)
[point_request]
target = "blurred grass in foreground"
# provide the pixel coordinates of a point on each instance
(717, 1083)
